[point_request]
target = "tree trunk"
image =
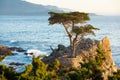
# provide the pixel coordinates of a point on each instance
(70, 38)
(69, 35)
(74, 46)
(73, 25)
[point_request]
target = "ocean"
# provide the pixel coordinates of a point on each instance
(35, 33)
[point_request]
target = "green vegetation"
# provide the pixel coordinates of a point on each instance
(115, 76)
(7, 73)
(1, 58)
(91, 69)
(36, 71)
(71, 22)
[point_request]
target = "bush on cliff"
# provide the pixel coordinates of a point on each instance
(36, 71)
(115, 76)
(90, 68)
(7, 73)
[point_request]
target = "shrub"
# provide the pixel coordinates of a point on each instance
(115, 76)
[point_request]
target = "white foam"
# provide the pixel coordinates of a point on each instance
(13, 41)
(35, 52)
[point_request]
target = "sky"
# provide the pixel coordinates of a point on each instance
(102, 7)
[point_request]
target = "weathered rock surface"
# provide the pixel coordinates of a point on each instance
(4, 50)
(16, 64)
(18, 49)
(86, 47)
(108, 66)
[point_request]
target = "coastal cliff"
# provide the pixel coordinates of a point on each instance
(86, 49)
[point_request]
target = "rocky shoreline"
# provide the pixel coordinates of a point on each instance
(87, 49)
(8, 51)
(4, 49)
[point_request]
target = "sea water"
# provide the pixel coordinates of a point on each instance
(34, 32)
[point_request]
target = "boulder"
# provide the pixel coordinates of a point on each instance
(16, 64)
(4, 50)
(18, 49)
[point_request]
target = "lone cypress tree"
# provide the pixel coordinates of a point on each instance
(70, 22)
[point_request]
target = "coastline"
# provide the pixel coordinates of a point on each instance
(67, 62)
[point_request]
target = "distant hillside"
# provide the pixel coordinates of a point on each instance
(19, 7)
(93, 14)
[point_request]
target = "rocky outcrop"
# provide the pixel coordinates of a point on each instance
(4, 50)
(16, 64)
(18, 49)
(108, 66)
(86, 48)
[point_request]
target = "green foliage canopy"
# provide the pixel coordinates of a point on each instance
(70, 21)
(85, 30)
(75, 17)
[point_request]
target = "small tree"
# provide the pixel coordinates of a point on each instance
(70, 22)
(80, 32)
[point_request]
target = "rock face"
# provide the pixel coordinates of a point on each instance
(109, 66)
(4, 50)
(16, 64)
(18, 49)
(86, 47)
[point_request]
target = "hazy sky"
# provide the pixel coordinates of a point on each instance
(104, 7)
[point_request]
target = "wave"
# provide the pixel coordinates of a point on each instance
(35, 52)
(13, 41)
(22, 41)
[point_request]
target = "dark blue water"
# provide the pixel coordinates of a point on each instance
(33, 32)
